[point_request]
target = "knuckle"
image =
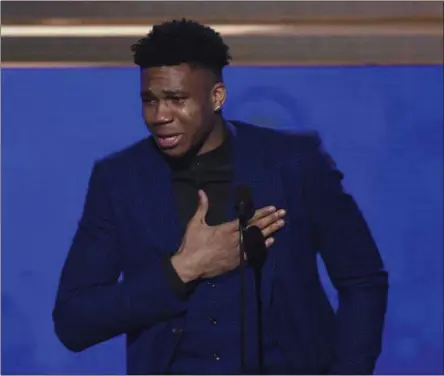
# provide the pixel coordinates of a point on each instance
(264, 223)
(272, 218)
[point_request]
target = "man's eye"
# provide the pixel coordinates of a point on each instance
(177, 99)
(149, 101)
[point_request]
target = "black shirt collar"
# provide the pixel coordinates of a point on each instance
(215, 158)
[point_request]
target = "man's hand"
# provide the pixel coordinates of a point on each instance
(268, 220)
(207, 251)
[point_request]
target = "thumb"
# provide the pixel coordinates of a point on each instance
(202, 208)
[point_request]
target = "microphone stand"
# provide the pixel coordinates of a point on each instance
(260, 346)
(254, 245)
(242, 292)
(252, 249)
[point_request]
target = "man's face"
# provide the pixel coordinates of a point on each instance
(178, 106)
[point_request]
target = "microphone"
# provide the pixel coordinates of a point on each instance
(243, 204)
(254, 241)
(252, 247)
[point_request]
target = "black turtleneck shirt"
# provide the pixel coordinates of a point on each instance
(211, 172)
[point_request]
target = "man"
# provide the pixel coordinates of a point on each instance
(160, 213)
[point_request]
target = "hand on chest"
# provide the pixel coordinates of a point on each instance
(186, 201)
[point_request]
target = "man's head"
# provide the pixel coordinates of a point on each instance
(181, 85)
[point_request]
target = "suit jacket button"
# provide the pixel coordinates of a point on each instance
(177, 331)
(216, 356)
(213, 320)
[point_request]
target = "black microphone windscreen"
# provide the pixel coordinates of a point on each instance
(243, 199)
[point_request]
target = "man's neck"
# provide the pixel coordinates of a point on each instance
(215, 138)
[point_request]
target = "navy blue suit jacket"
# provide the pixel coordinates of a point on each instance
(129, 223)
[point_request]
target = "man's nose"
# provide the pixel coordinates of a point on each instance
(163, 113)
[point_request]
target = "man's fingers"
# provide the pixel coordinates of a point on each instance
(269, 242)
(268, 220)
(275, 226)
(260, 213)
(202, 208)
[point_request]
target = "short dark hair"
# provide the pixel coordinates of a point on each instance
(182, 41)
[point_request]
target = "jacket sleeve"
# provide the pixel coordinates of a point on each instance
(92, 305)
(353, 263)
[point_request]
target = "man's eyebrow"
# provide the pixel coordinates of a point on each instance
(172, 92)
(166, 92)
(146, 93)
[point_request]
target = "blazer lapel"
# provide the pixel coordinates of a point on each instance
(157, 206)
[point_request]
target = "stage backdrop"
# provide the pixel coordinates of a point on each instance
(383, 125)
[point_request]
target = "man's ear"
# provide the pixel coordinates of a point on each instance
(218, 96)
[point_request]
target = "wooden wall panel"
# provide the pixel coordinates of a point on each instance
(326, 32)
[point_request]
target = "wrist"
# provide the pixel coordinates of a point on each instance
(185, 267)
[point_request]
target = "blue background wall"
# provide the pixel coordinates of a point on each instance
(382, 125)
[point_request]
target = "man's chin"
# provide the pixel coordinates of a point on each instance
(176, 152)
(182, 150)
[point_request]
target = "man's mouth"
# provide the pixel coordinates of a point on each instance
(167, 142)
